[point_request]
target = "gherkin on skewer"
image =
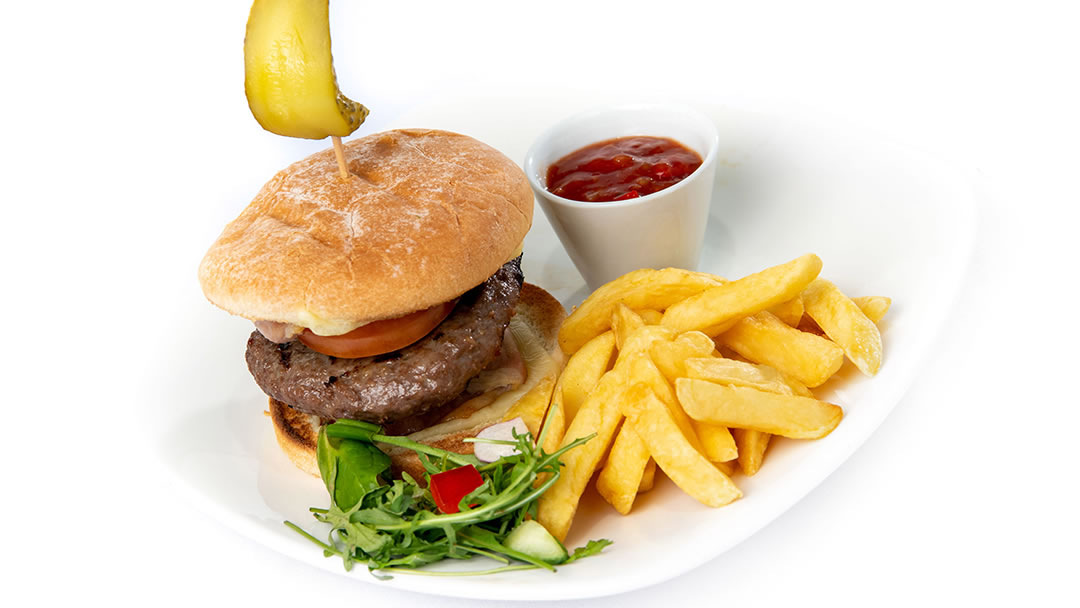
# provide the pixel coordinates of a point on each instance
(289, 73)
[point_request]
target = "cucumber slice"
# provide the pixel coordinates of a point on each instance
(534, 540)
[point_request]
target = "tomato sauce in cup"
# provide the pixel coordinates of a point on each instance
(621, 169)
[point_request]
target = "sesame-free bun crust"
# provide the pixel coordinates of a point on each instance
(424, 216)
(537, 313)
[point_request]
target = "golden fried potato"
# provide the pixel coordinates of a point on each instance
(727, 468)
(599, 414)
(739, 373)
(533, 405)
(651, 316)
(642, 339)
(874, 307)
(845, 324)
(747, 408)
(717, 444)
(645, 288)
(621, 476)
(623, 322)
(583, 371)
(679, 460)
(790, 312)
(640, 368)
(670, 356)
(765, 339)
(648, 478)
(698, 340)
(556, 424)
(716, 309)
(752, 445)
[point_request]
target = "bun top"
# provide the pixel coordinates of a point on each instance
(424, 217)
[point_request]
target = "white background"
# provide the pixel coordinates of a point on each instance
(127, 144)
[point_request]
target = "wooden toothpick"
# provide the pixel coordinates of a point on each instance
(339, 152)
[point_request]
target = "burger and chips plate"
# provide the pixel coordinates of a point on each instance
(786, 185)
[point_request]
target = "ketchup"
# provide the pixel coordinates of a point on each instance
(621, 169)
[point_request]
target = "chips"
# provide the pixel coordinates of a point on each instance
(715, 310)
(648, 478)
(598, 414)
(751, 445)
(673, 454)
(621, 477)
(623, 323)
(874, 307)
(693, 374)
(641, 368)
(650, 316)
(532, 407)
(747, 408)
(739, 373)
(846, 324)
(583, 370)
(763, 338)
(645, 288)
(790, 312)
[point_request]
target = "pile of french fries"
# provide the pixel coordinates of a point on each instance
(693, 374)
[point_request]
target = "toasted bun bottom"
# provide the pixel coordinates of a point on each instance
(535, 327)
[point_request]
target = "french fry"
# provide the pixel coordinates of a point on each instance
(747, 408)
(738, 373)
(727, 468)
(532, 406)
(679, 460)
(808, 325)
(648, 478)
(641, 368)
(623, 322)
(642, 339)
(621, 476)
(599, 414)
(669, 356)
(697, 340)
(845, 324)
(790, 312)
(717, 444)
(765, 339)
(645, 288)
(556, 425)
(583, 371)
(874, 307)
(716, 309)
(551, 438)
(752, 445)
(651, 316)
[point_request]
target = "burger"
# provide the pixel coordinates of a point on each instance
(394, 296)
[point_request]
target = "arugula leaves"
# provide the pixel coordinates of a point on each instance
(394, 526)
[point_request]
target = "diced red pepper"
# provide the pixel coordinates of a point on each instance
(449, 487)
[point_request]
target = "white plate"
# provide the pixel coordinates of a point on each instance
(885, 220)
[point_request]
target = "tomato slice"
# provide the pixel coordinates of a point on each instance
(380, 336)
(449, 487)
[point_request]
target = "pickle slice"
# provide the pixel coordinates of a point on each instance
(289, 73)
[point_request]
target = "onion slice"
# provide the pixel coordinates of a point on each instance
(503, 431)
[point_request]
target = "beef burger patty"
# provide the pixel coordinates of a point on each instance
(399, 384)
